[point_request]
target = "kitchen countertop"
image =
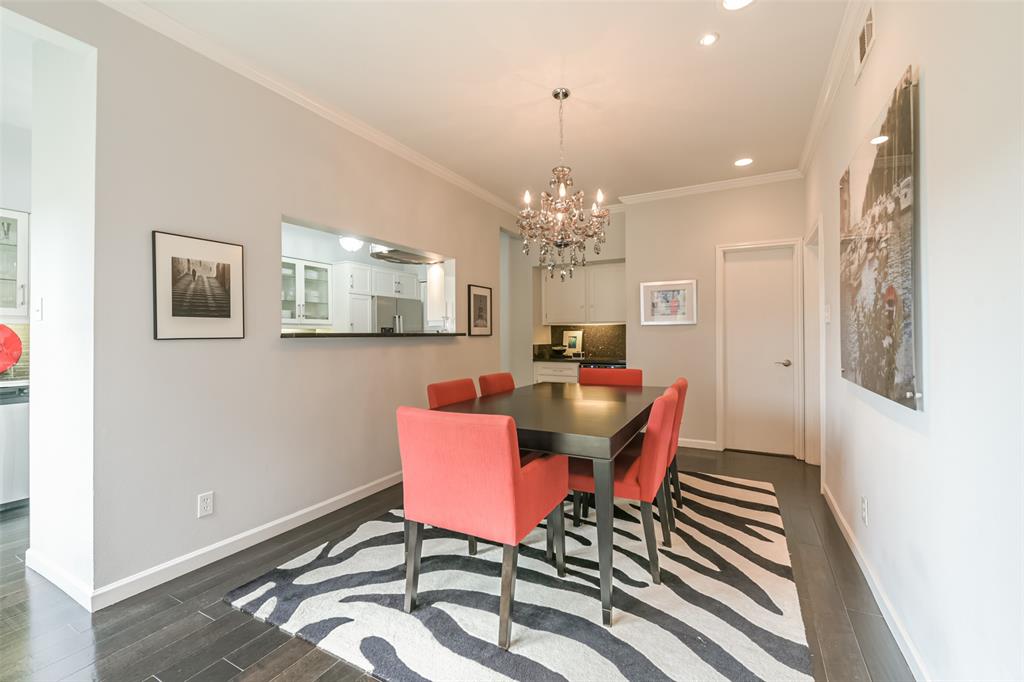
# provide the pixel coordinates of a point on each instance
(537, 358)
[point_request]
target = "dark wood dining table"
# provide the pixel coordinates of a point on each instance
(591, 422)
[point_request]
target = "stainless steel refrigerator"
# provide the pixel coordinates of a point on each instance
(401, 315)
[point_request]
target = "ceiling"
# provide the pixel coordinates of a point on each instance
(468, 84)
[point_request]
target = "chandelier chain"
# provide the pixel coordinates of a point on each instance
(561, 135)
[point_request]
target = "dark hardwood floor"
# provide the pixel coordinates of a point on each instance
(182, 630)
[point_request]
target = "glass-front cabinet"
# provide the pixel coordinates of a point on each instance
(305, 292)
(13, 264)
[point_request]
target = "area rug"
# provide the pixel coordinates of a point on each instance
(727, 606)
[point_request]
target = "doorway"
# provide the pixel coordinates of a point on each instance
(760, 347)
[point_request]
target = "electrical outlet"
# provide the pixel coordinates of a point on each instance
(205, 504)
(864, 510)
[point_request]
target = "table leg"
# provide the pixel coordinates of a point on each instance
(604, 506)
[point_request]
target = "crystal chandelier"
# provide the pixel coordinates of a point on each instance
(562, 226)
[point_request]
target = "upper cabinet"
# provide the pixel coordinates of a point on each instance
(596, 294)
(395, 283)
(354, 277)
(305, 292)
(13, 264)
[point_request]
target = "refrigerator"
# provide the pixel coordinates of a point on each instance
(401, 315)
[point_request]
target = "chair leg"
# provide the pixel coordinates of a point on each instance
(556, 537)
(647, 516)
(549, 532)
(413, 550)
(588, 499)
(676, 484)
(472, 545)
(665, 512)
(509, 559)
(577, 502)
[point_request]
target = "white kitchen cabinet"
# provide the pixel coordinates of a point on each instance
(13, 264)
(306, 292)
(397, 283)
(353, 277)
(596, 294)
(556, 372)
(360, 313)
(606, 293)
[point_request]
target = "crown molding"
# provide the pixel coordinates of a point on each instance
(616, 208)
(718, 186)
(161, 23)
(853, 17)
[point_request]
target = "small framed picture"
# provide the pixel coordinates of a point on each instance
(668, 302)
(197, 288)
(479, 310)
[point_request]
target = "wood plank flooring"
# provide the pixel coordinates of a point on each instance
(181, 630)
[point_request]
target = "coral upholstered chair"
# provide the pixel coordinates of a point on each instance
(681, 384)
(461, 472)
(502, 382)
(602, 376)
(448, 392)
(640, 474)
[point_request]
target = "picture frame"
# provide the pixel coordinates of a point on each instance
(668, 303)
(479, 321)
(198, 288)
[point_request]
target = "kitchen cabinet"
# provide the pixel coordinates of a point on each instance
(13, 264)
(596, 294)
(395, 283)
(306, 292)
(606, 293)
(353, 277)
(556, 372)
(357, 314)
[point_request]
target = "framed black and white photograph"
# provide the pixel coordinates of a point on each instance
(197, 288)
(672, 302)
(479, 310)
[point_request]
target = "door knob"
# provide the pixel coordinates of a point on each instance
(784, 363)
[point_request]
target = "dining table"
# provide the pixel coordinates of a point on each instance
(588, 422)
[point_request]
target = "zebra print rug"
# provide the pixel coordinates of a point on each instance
(727, 607)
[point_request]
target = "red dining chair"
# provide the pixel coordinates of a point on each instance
(639, 474)
(501, 382)
(461, 472)
(681, 384)
(603, 376)
(448, 392)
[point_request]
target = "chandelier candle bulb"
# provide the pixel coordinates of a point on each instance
(527, 198)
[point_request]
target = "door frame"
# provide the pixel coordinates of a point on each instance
(795, 245)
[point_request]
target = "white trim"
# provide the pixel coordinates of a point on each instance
(168, 570)
(699, 444)
(717, 186)
(796, 246)
(65, 582)
(161, 23)
(906, 645)
(616, 208)
(849, 28)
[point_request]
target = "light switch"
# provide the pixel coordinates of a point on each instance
(828, 313)
(37, 309)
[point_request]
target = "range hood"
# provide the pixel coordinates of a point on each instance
(406, 257)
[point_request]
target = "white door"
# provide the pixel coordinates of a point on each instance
(760, 361)
(606, 293)
(360, 313)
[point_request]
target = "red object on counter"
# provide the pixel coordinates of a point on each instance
(10, 348)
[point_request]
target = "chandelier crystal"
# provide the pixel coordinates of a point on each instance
(563, 225)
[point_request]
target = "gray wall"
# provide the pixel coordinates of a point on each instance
(272, 426)
(676, 239)
(942, 545)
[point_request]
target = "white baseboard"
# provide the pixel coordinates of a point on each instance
(699, 444)
(67, 583)
(903, 640)
(151, 577)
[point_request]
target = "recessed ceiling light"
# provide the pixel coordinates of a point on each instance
(708, 39)
(733, 5)
(880, 139)
(743, 162)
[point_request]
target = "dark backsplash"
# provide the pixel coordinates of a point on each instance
(606, 341)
